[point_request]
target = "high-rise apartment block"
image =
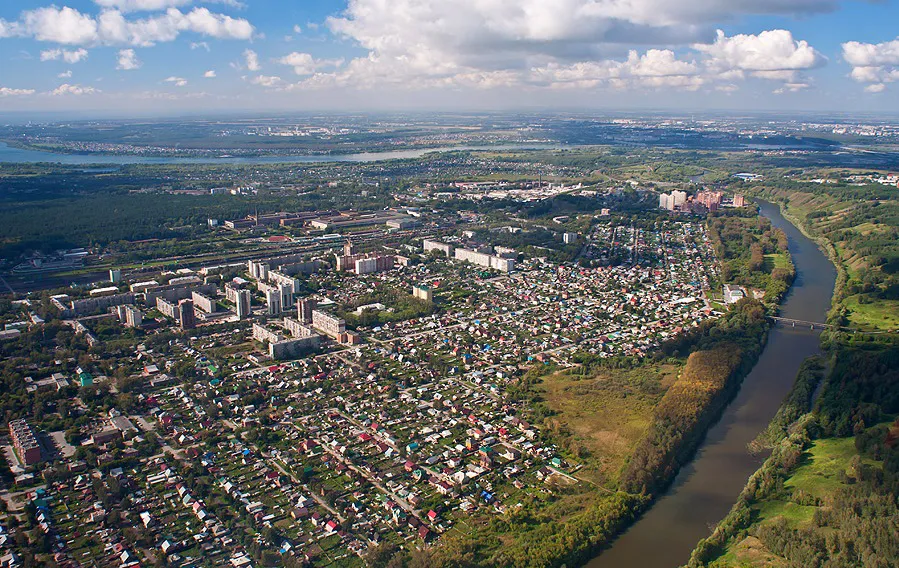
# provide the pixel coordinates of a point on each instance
(25, 442)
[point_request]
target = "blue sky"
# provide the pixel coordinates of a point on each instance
(170, 56)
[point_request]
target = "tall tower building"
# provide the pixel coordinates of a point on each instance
(273, 301)
(186, 314)
(304, 309)
(243, 304)
(349, 249)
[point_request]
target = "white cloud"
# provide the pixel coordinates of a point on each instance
(67, 89)
(200, 45)
(7, 92)
(209, 74)
(128, 60)
(60, 25)
(177, 81)
(141, 5)
(65, 75)
(875, 63)
(772, 54)
(251, 58)
(68, 56)
(792, 88)
(297, 29)
(68, 26)
(267, 81)
(305, 64)
(435, 42)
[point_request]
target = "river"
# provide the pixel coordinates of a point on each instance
(706, 488)
(9, 154)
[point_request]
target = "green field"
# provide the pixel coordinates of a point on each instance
(882, 315)
(606, 414)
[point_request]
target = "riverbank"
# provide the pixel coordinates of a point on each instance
(857, 229)
(832, 477)
(706, 488)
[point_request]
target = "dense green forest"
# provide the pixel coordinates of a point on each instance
(752, 253)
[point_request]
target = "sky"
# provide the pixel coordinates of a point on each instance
(181, 56)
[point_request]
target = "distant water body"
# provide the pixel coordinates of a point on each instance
(10, 155)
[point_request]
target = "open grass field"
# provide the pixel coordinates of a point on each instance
(607, 414)
(876, 314)
(773, 261)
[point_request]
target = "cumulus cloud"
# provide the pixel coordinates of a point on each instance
(200, 45)
(655, 68)
(60, 25)
(772, 54)
(68, 26)
(875, 63)
(306, 64)
(7, 92)
(251, 59)
(177, 81)
(64, 54)
(434, 43)
(209, 74)
(128, 60)
(65, 75)
(77, 90)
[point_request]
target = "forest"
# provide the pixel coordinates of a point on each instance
(752, 253)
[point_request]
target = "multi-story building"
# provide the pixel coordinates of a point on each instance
(305, 307)
(366, 263)
(115, 275)
(710, 199)
(130, 316)
(96, 305)
(423, 292)
(204, 302)
(280, 279)
(739, 200)
(279, 347)
(186, 314)
(25, 442)
(328, 324)
(273, 301)
(258, 270)
(168, 309)
(486, 260)
(437, 245)
(569, 238)
(243, 305)
(286, 296)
